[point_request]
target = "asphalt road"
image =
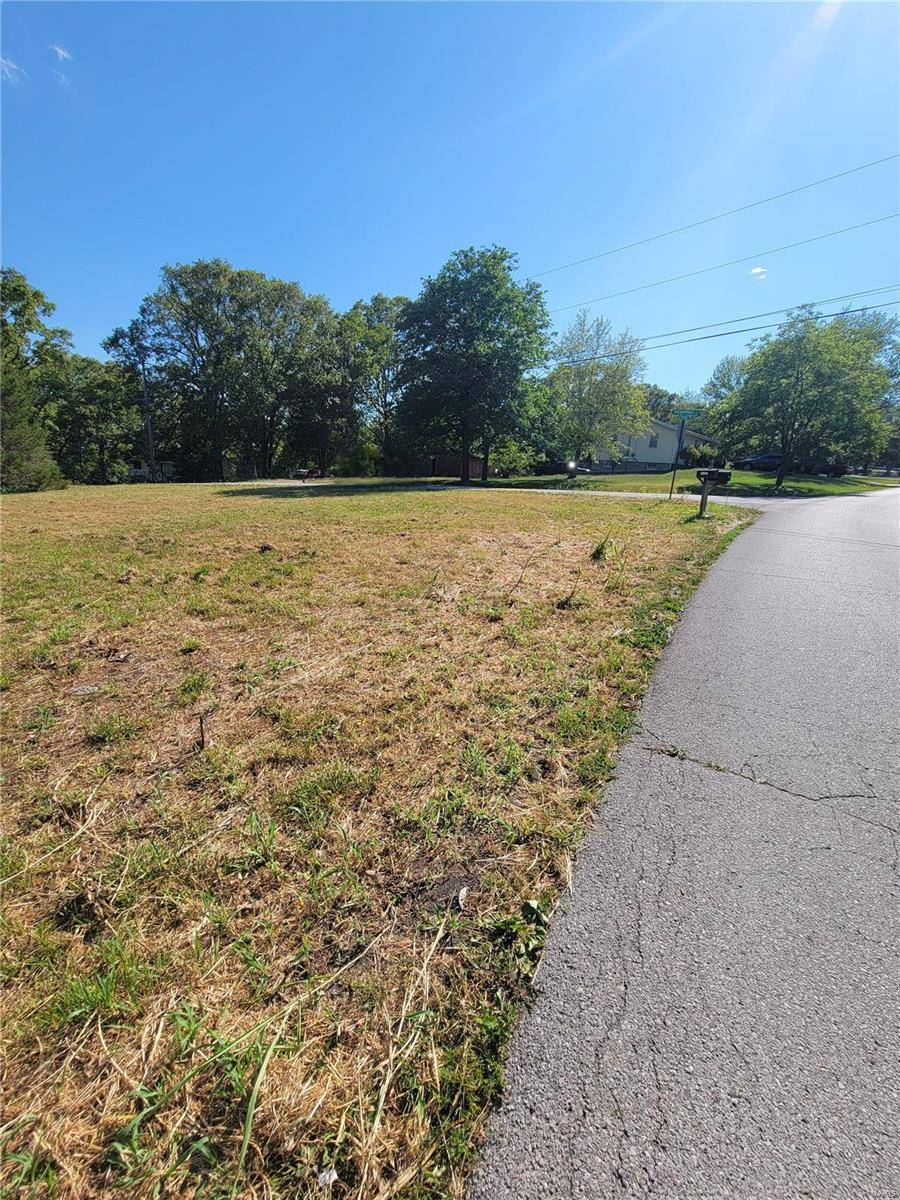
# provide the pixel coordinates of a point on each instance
(717, 1007)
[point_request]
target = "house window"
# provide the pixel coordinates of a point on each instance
(654, 441)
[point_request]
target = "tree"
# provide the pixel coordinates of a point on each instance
(322, 419)
(283, 336)
(131, 348)
(661, 404)
(95, 421)
(468, 341)
(599, 399)
(252, 372)
(815, 391)
(373, 328)
(726, 380)
(193, 334)
(27, 464)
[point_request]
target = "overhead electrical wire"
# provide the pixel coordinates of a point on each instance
(717, 217)
(889, 287)
(577, 362)
(731, 263)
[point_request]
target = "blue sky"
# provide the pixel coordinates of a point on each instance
(353, 147)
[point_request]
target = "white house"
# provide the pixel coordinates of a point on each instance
(655, 449)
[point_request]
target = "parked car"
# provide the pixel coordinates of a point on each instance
(834, 469)
(760, 462)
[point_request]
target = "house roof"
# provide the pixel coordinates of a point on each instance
(673, 425)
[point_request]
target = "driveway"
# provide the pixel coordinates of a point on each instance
(717, 1013)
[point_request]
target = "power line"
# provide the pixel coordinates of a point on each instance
(890, 287)
(718, 217)
(731, 263)
(577, 362)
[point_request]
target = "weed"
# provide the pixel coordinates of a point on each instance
(109, 730)
(523, 934)
(474, 760)
(314, 798)
(191, 688)
(198, 606)
(595, 767)
(110, 990)
(602, 550)
(42, 718)
(32, 1170)
(12, 857)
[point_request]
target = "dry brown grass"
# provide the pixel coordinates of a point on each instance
(292, 785)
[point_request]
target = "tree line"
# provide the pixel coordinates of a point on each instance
(229, 373)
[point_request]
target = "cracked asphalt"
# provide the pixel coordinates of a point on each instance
(716, 1011)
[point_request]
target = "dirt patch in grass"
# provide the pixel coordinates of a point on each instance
(291, 790)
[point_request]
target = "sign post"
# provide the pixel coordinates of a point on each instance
(681, 425)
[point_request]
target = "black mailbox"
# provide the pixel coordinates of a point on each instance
(710, 477)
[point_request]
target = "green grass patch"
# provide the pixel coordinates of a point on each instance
(743, 483)
(295, 776)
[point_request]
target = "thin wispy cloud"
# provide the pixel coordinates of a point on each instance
(11, 71)
(760, 274)
(62, 54)
(62, 78)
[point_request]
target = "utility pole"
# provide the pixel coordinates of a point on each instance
(681, 425)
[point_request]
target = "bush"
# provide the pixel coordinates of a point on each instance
(362, 460)
(511, 458)
(699, 456)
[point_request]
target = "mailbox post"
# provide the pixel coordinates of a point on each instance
(710, 477)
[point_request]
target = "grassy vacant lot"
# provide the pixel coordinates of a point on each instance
(743, 483)
(293, 781)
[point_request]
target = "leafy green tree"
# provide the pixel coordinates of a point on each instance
(726, 380)
(95, 420)
(661, 403)
(323, 419)
(25, 338)
(282, 336)
(598, 396)
(253, 372)
(373, 328)
(192, 327)
(814, 391)
(513, 457)
(469, 340)
(131, 348)
(891, 455)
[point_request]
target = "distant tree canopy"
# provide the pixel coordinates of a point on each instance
(373, 328)
(661, 403)
(230, 373)
(815, 391)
